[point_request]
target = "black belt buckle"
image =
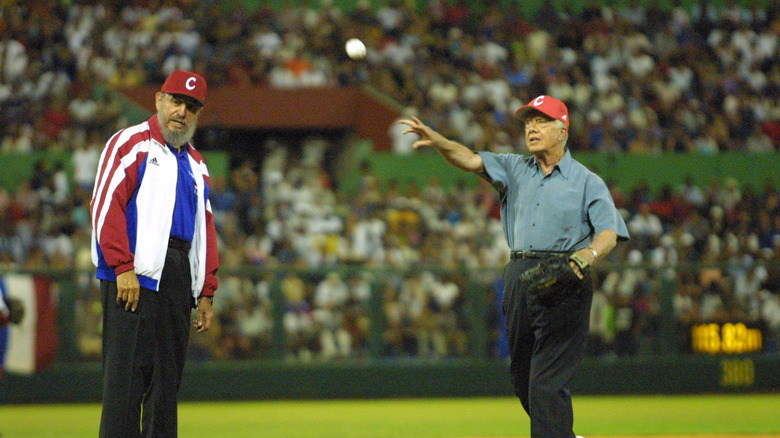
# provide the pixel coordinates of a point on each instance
(180, 244)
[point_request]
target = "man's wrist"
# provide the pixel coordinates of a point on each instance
(594, 252)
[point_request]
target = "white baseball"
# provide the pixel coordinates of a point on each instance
(355, 48)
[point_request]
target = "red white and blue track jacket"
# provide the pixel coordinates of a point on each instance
(132, 210)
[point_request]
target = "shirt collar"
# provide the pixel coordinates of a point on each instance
(563, 166)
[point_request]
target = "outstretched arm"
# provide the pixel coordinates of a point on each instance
(455, 153)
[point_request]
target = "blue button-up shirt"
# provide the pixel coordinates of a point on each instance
(561, 211)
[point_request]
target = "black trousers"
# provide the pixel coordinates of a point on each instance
(546, 346)
(144, 353)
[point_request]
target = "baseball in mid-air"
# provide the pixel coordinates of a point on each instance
(355, 48)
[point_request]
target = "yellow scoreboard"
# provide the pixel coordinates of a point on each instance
(726, 338)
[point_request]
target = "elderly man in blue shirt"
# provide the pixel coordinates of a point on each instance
(551, 205)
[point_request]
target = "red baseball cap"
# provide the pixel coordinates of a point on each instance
(548, 106)
(186, 83)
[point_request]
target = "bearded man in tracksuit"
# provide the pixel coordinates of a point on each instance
(155, 250)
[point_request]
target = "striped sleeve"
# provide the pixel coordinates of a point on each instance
(115, 184)
(210, 283)
(212, 255)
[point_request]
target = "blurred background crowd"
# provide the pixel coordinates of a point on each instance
(327, 266)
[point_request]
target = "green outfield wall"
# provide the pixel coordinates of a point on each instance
(250, 380)
(624, 170)
(17, 167)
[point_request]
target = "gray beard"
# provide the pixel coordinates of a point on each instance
(176, 138)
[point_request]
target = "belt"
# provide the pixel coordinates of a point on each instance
(179, 243)
(524, 255)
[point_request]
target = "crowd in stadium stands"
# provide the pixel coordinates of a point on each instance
(636, 79)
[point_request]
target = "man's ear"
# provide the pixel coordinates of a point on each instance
(158, 100)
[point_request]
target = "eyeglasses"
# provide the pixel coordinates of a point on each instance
(537, 121)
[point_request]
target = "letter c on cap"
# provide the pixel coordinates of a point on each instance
(539, 100)
(190, 83)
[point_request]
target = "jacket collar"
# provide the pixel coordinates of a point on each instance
(154, 127)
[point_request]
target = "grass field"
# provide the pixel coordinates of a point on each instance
(595, 416)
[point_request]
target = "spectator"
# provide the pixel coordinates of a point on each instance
(645, 227)
(330, 301)
(85, 160)
(401, 143)
(13, 56)
(298, 318)
(356, 317)
(623, 290)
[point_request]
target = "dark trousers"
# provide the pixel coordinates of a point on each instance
(143, 354)
(546, 347)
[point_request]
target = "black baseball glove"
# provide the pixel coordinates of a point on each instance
(553, 279)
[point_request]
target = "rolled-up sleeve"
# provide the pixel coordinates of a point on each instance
(602, 213)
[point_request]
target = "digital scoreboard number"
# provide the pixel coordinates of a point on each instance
(727, 338)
